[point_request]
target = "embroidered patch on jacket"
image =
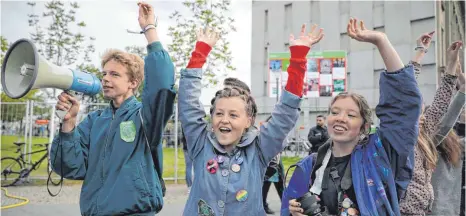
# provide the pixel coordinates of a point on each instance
(127, 131)
(203, 209)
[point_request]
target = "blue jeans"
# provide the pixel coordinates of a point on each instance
(189, 169)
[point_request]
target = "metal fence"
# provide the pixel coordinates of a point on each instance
(27, 120)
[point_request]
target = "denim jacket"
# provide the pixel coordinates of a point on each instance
(229, 190)
(379, 167)
(109, 151)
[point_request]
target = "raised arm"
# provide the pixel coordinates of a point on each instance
(158, 94)
(444, 93)
(400, 100)
(451, 116)
(422, 45)
(286, 112)
(191, 110)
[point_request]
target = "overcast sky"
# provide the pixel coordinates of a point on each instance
(107, 21)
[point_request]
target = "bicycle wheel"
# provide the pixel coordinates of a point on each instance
(11, 171)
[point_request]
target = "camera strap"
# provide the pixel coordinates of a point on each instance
(342, 184)
(337, 181)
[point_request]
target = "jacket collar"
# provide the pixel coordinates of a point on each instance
(125, 106)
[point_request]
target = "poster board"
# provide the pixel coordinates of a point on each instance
(325, 73)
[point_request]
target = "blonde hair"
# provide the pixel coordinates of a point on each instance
(133, 63)
(450, 148)
(427, 147)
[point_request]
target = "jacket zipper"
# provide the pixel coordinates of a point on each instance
(106, 142)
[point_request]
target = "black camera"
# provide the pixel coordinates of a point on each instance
(311, 205)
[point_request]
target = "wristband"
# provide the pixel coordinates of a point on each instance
(421, 48)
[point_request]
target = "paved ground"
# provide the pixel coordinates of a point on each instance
(66, 203)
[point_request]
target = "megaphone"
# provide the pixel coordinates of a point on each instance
(23, 70)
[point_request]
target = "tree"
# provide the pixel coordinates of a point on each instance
(138, 50)
(61, 42)
(4, 48)
(141, 52)
(203, 14)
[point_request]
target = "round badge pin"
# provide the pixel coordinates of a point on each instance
(352, 211)
(242, 195)
(235, 167)
(346, 203)
(212, 166)
(240, 160)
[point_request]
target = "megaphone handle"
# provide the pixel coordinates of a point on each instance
(61, 113)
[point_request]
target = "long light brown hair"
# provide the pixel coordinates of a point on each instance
(427, 148)
(450, 149)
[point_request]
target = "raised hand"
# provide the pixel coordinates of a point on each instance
(146, 15)
(453, 53)
(209, 37)
(360, 33)
(424, 40)
(310, 39)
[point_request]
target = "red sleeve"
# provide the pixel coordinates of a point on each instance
(297, 69)
(199, 55)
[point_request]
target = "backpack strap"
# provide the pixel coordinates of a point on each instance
(154, 156)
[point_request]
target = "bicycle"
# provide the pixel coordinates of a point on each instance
(18, 166)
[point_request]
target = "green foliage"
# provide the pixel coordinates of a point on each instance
(203, 14)
(62, 42)
(4, 48)
(141, 52)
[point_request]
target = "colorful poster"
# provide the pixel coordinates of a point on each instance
(325, 73)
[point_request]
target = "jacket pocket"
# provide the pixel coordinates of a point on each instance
(129, 194)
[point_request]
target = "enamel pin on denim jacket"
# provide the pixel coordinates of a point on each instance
(229, 183)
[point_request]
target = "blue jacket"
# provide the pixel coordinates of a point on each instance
(118, 172)
(217, 193)
(380, 168)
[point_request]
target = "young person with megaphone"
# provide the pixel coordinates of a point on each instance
(115, 149)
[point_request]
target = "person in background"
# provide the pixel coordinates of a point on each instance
(419, 197)
(447, 174)
(318, 135)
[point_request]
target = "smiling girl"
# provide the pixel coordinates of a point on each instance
(230, 155)
(356, 172)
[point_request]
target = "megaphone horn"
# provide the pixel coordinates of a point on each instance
(23, 70)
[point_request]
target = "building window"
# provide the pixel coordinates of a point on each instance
(288, 18)
(266, 21)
